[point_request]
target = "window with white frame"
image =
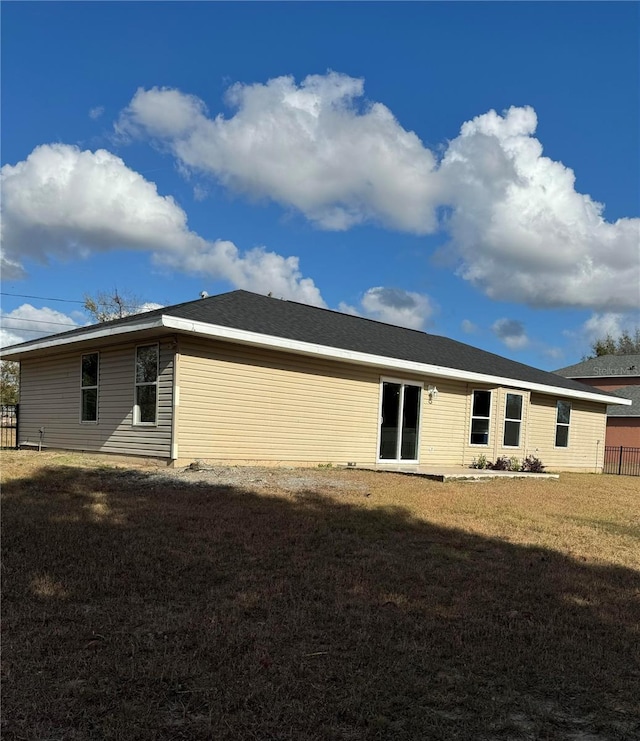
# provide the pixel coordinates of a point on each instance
(563, 419)
(89, 387)
(512, 421)
(480, 417)
(146, 401)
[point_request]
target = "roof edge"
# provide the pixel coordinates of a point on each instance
(300, 347)
(256, 339)
(100, 331)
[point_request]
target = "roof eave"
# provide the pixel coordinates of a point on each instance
(255, 339)
(16, 352)
(300, 347)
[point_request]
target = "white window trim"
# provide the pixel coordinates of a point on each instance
(488, 443)
(156, 383)
(87, 388)
(562, 424)
(510, 419)
(403, 382)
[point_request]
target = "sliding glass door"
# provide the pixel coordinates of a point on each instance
(399, 421)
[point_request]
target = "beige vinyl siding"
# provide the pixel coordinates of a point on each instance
(587, 430)
(50, 398)
(445, 423)
(238, 404)
(241, 404)
(538, 431)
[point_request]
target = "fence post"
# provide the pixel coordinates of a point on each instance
(17, 426)
(620, 462)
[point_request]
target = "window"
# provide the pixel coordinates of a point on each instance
(89, 388)
(512, 421)
(562, 424)
(480, 417)
(146, 403)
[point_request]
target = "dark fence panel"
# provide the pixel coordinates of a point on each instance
(622, 461)
(9, 425)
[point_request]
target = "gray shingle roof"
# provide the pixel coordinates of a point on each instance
(290, 320)
(603, 366)
(619, 410)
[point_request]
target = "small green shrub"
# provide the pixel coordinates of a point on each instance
(481, 462)
(502, 464)
(531, 464)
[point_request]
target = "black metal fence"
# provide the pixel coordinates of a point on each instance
(9, 425)
(622, 461)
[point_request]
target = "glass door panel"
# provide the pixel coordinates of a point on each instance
(400, 422)
(389, 421)
(410, 423)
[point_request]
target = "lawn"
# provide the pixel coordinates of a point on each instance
(322, 604)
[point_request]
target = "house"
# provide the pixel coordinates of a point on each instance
(244, 378)
(619, 374)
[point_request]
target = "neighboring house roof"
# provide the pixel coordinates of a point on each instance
(605, 366)
(249, 318)
(619, 410)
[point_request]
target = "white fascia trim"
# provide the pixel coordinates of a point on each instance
(98, 333)
(334, 353)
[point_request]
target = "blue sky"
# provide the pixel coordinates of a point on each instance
(470, 169)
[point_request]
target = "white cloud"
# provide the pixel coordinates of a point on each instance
(468, 327)
(317, 147)
(63, 202)
(553, 353)
(511, 332)
(96, 112)
(516, 223)
(598, 326)
(148, 306)
(28, 323)
(254, 270)
(394, 306)
(612, 324)
(523, 232)
(515, 220)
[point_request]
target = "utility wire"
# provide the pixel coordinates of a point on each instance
(20, 330)
(66, 300)
(42, 298)
(5, 318)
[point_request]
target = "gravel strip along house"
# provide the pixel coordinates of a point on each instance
(243, 378)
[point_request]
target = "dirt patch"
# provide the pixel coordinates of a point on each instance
(257, 478)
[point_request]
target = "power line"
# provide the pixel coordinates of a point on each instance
(6, 319)
(66, 300)
(42, 298)
(20, 330)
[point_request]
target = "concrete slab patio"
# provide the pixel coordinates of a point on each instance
(453, 473)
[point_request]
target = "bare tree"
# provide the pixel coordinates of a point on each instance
(106, 306)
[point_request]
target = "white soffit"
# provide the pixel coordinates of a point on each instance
(257, 339)
(99, 333)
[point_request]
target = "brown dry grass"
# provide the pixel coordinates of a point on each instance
(144, 604)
